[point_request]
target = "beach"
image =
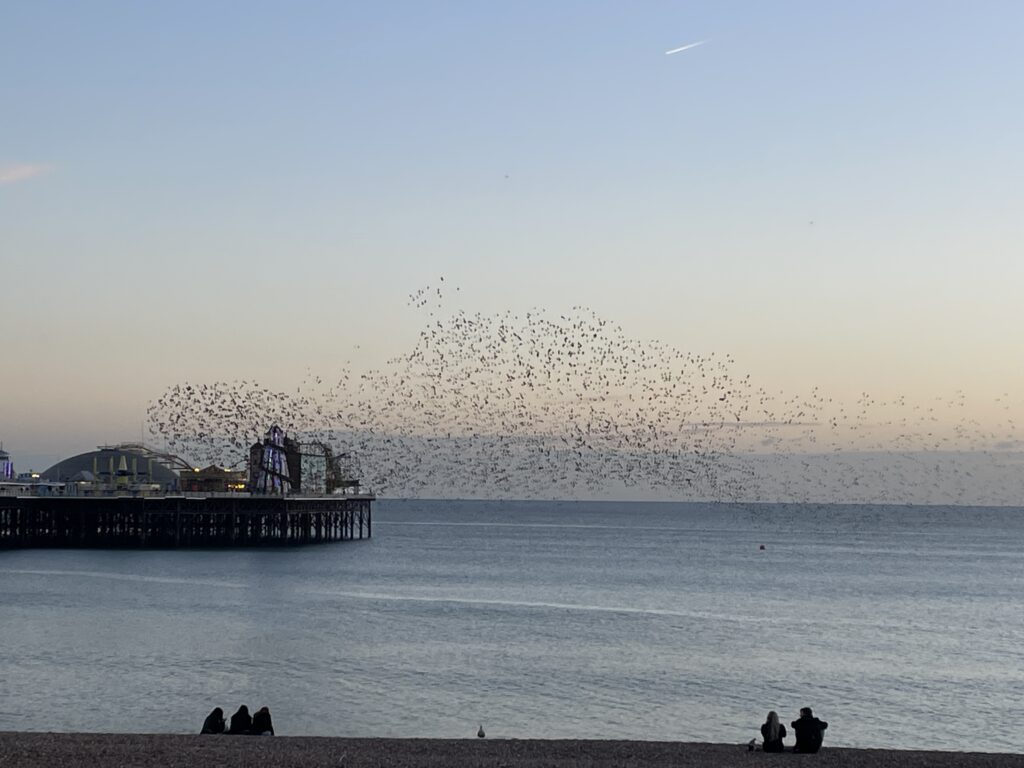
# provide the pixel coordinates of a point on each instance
(28, 750)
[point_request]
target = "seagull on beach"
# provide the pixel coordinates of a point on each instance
(685, 47)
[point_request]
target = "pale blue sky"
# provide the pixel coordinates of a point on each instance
(169, 169)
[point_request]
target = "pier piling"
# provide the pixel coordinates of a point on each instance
(181, 521)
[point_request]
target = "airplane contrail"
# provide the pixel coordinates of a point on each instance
(685, 47)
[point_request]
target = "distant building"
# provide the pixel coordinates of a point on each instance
(213, 479)
(115, 466)
(124, 469)
(280, 465)
(6, 465)
(24, 483)
(30, 485)
(269, 470)
(277, 466)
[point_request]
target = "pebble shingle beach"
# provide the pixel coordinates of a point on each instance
(29, 750)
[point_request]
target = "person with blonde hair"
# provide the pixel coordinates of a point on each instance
(773, 732)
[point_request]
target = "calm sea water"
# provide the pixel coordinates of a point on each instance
(901, 626)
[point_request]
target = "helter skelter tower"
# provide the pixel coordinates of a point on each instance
(268, 464)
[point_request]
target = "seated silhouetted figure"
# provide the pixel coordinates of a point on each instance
(809, 730)
(214, 722)
(240, 721)
(773, 732)
(261, 724)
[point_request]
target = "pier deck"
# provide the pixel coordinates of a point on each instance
(232, 520)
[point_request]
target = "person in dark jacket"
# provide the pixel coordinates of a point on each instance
(261, 724)
(773, 732)
(241, 722)
(809, 730)
(214, 722)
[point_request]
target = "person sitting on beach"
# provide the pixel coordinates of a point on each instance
(214, 722)
(261, 724)
(809, 730)
(773, 732)
(240, 721)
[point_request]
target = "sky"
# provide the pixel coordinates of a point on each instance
(830, 193)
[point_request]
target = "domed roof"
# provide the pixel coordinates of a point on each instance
(101, 461)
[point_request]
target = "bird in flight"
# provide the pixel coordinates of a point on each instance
(685, 47)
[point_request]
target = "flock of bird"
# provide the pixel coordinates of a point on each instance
(567, 405)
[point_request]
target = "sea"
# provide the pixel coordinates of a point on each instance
(901, 626)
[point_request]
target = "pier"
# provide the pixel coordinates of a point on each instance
(212, 520)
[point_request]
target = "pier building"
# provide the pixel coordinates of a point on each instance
(6, 465)
(130, 495)
(131, 468)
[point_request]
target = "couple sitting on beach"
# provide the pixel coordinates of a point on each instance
(257, 725)
(809, 730)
